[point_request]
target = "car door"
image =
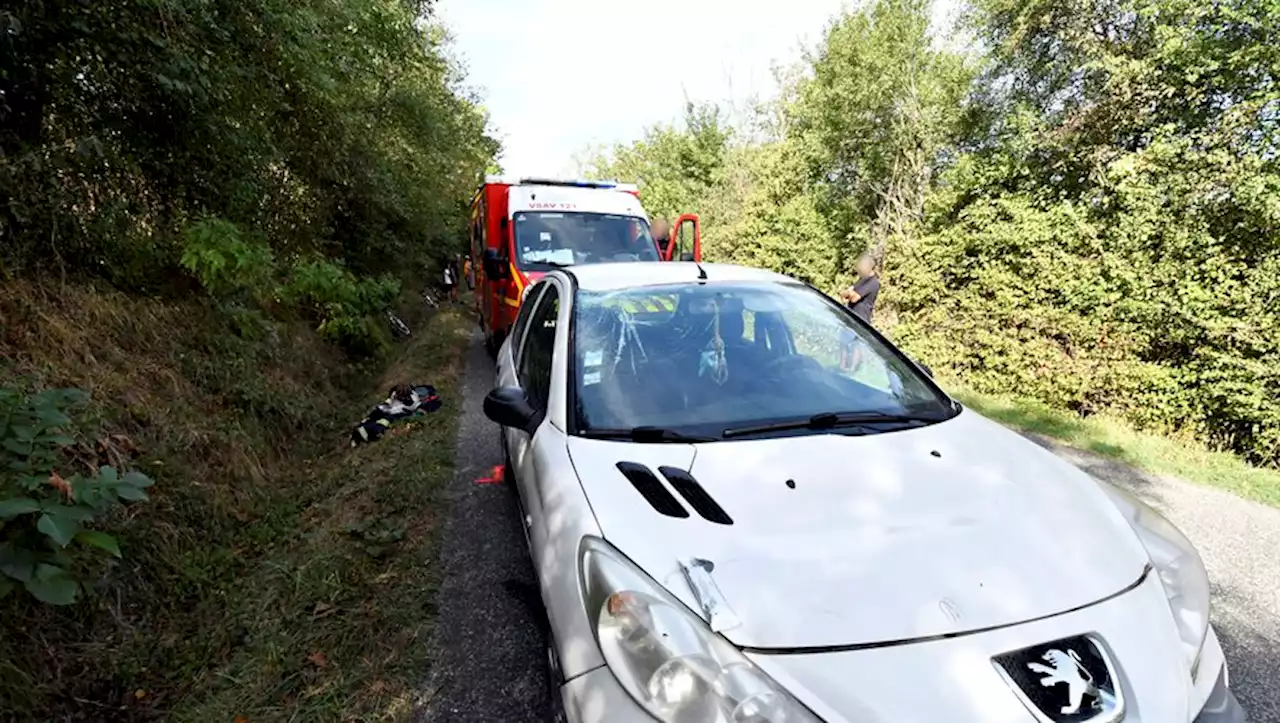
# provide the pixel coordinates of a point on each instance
(506, 372)
(686, 240)
(533, 374)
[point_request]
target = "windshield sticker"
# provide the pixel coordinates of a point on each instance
(560, 257)
(593, 358)
(590, 378)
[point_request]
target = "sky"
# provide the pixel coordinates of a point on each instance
(561, 76)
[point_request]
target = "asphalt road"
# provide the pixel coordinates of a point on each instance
(492, 666)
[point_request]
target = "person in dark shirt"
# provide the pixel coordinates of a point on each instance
(860, 298)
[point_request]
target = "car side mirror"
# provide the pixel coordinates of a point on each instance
(510, 407)
(494, 267)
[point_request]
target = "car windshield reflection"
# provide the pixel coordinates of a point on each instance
(703, 359)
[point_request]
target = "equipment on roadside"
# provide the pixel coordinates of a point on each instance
(404, 401)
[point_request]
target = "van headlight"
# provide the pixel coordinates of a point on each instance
(666, 657)
(1175, 560)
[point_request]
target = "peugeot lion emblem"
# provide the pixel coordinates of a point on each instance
(1065, 681)
(1066, 669)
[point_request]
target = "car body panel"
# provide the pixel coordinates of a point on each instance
(1059, 559)
(953, 679)
(878, 539)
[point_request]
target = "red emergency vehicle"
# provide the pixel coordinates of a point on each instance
(522, 228)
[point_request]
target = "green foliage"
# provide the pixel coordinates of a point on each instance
(880, 106)
(347, 307)
(1090, 219)
(676, 166)
(45, 536)
(314, 127)
(224, 262)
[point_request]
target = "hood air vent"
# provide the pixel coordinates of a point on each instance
(696, 496)
(652, 490)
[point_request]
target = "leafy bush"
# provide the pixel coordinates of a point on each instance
(224, 261)
(44, 516)
(345, 305)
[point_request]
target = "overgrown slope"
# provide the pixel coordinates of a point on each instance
(266, 540)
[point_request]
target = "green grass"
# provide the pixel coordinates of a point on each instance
(1162, 455)
(334, 621)
(276, 574)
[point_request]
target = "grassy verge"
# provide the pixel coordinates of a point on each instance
(335, 619)
(275, 574)
(1162, 455)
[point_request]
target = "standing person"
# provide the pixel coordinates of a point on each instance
(661, 232)
(466, 272)
(450, 284)
(860, 298)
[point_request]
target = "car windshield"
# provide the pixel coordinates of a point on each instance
(703, 360)
(546, 240)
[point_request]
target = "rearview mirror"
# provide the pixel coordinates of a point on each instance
(495, 268)
(510, 407)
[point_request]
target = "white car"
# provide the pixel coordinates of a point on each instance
(745, 506)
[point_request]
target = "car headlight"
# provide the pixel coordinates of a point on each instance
(1175, 560)
(666, 657)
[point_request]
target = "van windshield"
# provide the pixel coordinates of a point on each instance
(547, 240)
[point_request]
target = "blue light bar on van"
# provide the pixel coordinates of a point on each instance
(571, 182)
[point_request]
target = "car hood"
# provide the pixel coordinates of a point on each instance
(844, 540)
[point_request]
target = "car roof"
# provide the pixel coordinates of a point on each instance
(635, 274)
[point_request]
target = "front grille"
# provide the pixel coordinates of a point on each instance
(1070, 680)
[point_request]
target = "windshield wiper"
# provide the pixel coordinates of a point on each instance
(646, 435)
(832, 420)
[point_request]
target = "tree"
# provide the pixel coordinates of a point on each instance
(876, 118)
(675, 165)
